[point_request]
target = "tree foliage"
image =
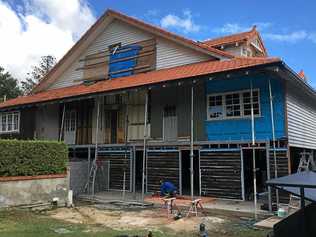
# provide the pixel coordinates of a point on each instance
(9, 86)
(38, 73)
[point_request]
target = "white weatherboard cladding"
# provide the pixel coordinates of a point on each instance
(301, 120)
(169, 54)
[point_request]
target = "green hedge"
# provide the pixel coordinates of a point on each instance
(23, 158)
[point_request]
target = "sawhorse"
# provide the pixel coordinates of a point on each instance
(170, 204)
(195, 204)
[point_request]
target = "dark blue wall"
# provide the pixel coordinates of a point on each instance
(240, 129)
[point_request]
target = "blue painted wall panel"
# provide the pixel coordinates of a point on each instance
(240, 129)
(123, 52)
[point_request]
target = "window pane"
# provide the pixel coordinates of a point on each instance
(215, 107)
(4, 122)
(16, 122)
(247, 103)
(10, 122)
(232, 105)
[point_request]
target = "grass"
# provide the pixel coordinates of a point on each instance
(17, 223)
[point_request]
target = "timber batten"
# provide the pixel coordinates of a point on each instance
(162, 166)
(220, 174)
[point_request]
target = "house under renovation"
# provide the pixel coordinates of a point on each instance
(217, 118)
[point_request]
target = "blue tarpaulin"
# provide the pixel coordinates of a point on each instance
(121, 53)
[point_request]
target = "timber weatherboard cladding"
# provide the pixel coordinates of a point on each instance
(283, 170)
(162, 166)
(301, 116)
(221, 174)
(169, 54)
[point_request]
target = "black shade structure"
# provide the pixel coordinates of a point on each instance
(301, 184)
(302, 222)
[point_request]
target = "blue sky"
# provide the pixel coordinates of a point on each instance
(42, 27)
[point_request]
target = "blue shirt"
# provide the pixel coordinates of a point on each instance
(167, 188)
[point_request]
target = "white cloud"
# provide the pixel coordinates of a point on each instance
(267, 32)
(291, 37)
(232, 28)
(312, 37)
(37, 28)
(185, 23)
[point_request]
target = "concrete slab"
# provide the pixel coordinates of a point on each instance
(269, 222)
(235, 205)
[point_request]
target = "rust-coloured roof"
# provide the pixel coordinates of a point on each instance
(302, 74)
(230, 39)
(135, 22)
(142, 79)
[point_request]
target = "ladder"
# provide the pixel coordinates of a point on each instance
(89, 187)
(306, 160)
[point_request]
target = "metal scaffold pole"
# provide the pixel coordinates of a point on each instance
(273, 142)
(144, 146)
(126, 137)
(253, 150)
(62, 123)
(191, 145)
(96, 141)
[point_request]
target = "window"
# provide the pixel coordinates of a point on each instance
(215, 106)
(233, 105)
(9, 122)
(70, 121)
(246, 52)
(247, 103)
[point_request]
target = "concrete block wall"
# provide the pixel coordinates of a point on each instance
(29, 190)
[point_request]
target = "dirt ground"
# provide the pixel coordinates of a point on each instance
(154, 219)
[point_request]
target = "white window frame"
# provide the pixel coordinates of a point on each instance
(224, 116)
(12, 130)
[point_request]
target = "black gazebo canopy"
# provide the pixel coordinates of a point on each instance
(301, 184)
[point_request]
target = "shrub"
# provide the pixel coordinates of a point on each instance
(24, 158)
